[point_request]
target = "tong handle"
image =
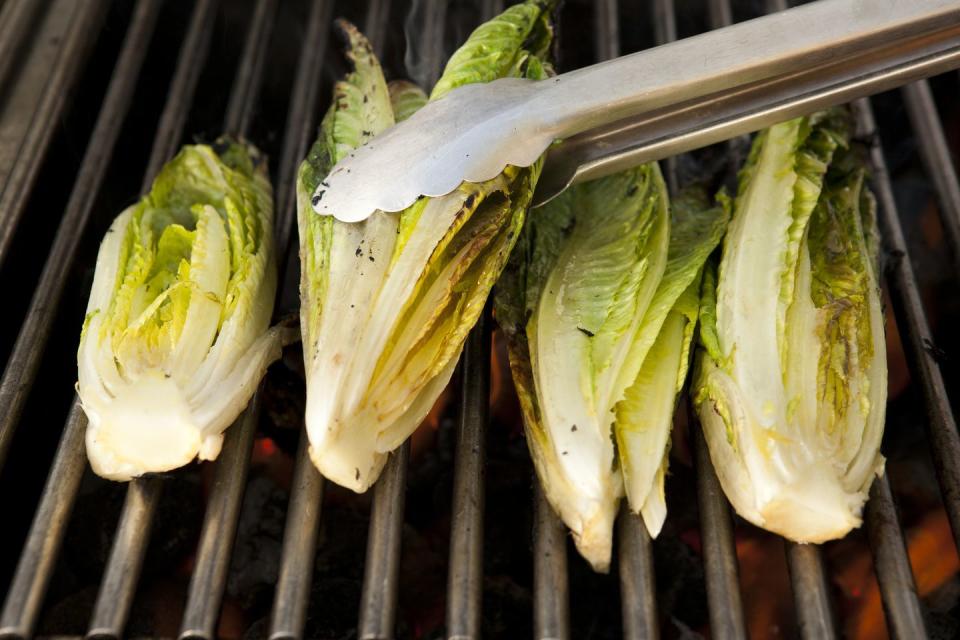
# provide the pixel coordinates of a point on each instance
(711, 118)
(695, 91)
(776, 45)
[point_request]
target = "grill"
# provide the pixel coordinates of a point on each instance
(49, 93)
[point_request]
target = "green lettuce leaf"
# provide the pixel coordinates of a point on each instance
(598, 303)
(406, 98)
(644, 416)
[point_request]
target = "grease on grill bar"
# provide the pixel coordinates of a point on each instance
(556, 591)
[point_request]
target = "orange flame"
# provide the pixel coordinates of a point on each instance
(933, 559)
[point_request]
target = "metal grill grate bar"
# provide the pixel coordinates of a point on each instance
(300, 120)
(220, 520)
(193, 54)
(551, 591)
(299, 548)
(465, 575)
(720, 13)
(891, 563)
(897, 587)
(913, 325)
(434, 15)
(15, 19)
(774, 6)
(306, 495)
(465, 578)
(378, 600)
(246, 86)
(665, 30)
(921, 357)
(937, 160)
(811, 598)
(606, 23)
(638, 587)
(77, 43)
(39, 555)
(375, 26)
(219, 531)
(490, 8)
(635, 551)
(119, 583)
(719, 556)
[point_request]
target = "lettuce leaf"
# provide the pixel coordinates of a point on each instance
(386, 304)
(598, 303)
(791, 384)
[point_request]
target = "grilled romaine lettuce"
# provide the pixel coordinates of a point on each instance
(598, 303)
(386, 303)
(791, 382)
(177, 333)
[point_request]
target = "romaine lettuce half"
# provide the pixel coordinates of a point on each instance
(177, 333)
(791, 381)
(386, 304)
(599, 303)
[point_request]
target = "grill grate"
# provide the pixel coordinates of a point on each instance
(83, 21)
(18, 182)
(381, 588)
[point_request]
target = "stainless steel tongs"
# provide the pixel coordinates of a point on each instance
(648, 105)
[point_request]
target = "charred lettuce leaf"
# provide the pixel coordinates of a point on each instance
(386, 304)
